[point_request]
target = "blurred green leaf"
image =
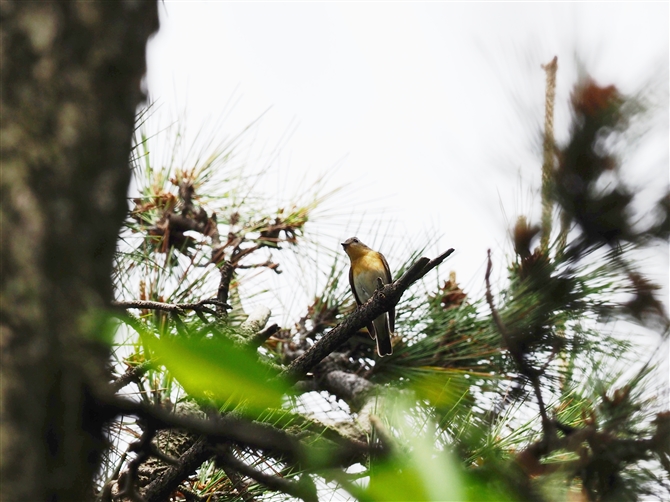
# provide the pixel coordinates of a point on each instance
(219, 370)
(444, 387)
(416, 470)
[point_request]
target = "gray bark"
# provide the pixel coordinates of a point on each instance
(70, 77)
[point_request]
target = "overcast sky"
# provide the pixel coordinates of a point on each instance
(428, 113)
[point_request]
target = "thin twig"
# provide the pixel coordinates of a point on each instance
(494, 312)
(267, 264)
(239, 484)
(172, 307)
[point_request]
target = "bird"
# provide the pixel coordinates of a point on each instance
(367, 265)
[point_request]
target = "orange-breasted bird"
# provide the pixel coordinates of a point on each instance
(366, 266)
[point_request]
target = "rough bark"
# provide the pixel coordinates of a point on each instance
(167, 481)
(71, 74)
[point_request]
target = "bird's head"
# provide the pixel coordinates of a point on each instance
(354, 247)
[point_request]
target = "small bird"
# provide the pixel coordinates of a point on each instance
(367, 265)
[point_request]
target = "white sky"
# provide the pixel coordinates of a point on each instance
(429, 113)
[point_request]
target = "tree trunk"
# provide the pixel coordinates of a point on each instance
(71, 74)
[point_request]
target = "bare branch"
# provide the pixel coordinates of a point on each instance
(106, 494)
(142, 447)
(191, 496)
(256, 321)
(160, 488)
(131, 374)
(259, 338)
(172, 307)
(242, 432)
(494, 312)
(267, 264)
(226, 428)
(549, 152)
(227, 272)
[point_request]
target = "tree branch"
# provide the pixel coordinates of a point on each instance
(259, 338)
(514, 351)
(225, 428)
(304, 491)
(241, 487)
(142, 447)
(160, 488)
(130, 374)
(227, 271)
(382, 300)
(256, 321)
(245, 433)
(172, 307)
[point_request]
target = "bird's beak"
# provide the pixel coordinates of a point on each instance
(344, 244)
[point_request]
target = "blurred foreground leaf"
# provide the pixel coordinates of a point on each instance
(217, 369)
(417, 470)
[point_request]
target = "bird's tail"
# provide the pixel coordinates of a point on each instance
(383, 337)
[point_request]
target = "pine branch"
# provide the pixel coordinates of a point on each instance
(516, 354)
(160, 488)
(226, 428)
(143, 449)
(301, 490)
(131, 374)
(227, 272)
(258, 436)
(259, 338)
(383, 299)
(178, 308)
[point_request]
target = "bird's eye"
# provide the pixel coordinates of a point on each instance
(356, 240)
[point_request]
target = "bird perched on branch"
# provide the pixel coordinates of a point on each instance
(367, 265)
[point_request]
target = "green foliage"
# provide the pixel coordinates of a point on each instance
(415, 469)
(218, 370)
(523, 395)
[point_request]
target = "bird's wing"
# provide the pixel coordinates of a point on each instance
(387, 269)
(370, 326)
(388, 278)
(353, 286)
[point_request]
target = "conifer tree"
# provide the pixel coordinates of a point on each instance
(523, 394)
